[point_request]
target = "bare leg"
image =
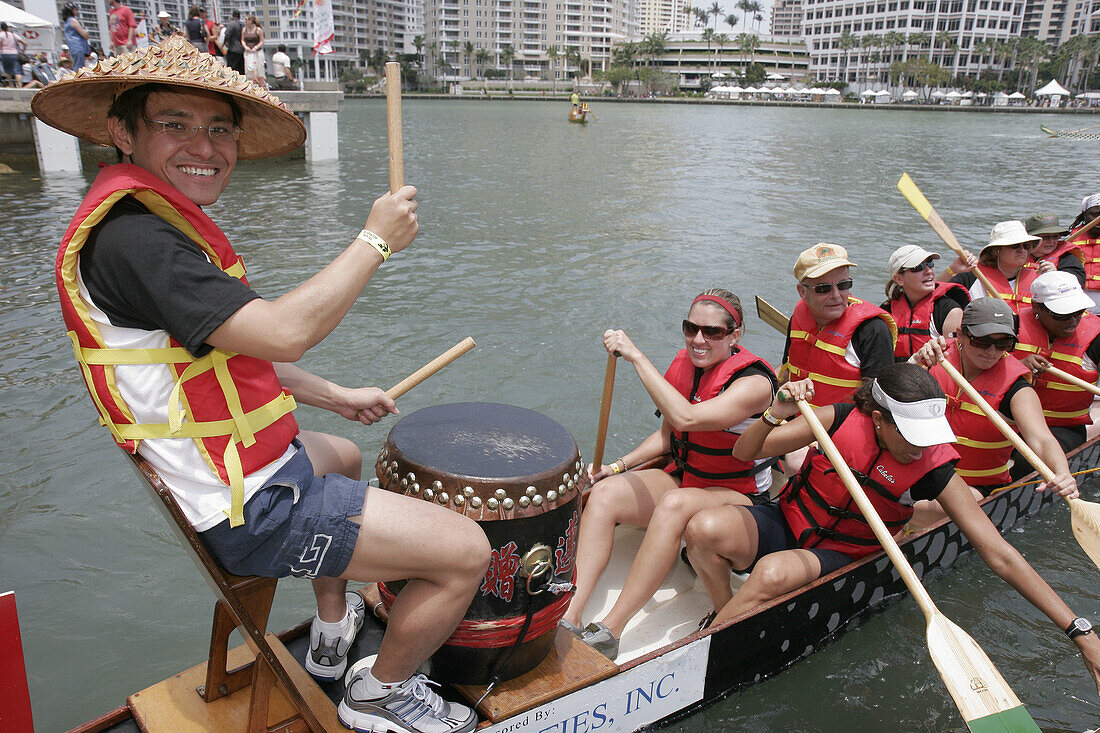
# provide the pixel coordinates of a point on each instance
(628, 498)
(660, 548)
(441, 554)
(773, 576)
(718, 539)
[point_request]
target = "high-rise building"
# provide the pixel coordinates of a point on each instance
(1057, 21)
(787, 19)
(664, 16)
(464, 37)
(952, 29)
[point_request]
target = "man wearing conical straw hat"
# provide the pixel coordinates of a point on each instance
(188, 366)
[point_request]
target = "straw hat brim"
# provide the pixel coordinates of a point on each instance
(78, 104)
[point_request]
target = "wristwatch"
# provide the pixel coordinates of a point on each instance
(1079, 627)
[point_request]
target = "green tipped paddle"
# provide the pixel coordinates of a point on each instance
(984, 699)
(1085, 515)
(913, 194)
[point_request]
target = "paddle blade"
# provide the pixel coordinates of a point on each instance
(984, 699)
(1086, 527)
(772, 315)
(913, 194)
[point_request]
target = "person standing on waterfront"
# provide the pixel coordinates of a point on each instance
(1089, 243)
(252, 39)
(122, 26)
(712, 389)
(76, 37)
(1065, 256)
(169, 333)
(195, 26)
(280, 70)
(922, 306)
(11, 45)
(234, 50)
(1003, 261)
(833, 338)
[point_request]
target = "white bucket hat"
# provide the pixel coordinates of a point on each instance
(922, 423)
(1007, 233)
(1060, 292)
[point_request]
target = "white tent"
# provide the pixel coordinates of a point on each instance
(1016, 95)
(938, 94)
(39, 34)
(736, 89)
(751, 90)
(1052, 89)
(909, 94)
(802, 90)
(830, 92)
(868, 93)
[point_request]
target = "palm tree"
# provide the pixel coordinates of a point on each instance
(732, 20)
(653, 46)
(720, 40)
(918, 40)
(572, 56)
(700, 16)
(468, 49)
(846, 43)
(748, 7)
(869, 41)
(946, 43)
(715, 10)
(507, 57)
(747, 43)
(758, 17)
(708, 36)
(483, 57)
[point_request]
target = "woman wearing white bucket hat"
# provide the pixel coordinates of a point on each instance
(1002, 261)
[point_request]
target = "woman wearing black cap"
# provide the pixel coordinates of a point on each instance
(895, 438)
(987, 335)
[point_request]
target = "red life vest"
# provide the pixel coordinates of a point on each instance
(820, 511)
(982, 462)
(915, 322)
(706, 457)
(1063, 403)
(1090, 256)
(819, 354)
(1016, 295)
(231, 405)
(1073, 248)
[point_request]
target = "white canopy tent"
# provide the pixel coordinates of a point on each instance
(909, 94)
(868, 93)
(40, 35)
(1052, 89)
(1016, 95)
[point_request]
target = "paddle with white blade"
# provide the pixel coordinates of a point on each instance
(1085, 515)
(984, 699)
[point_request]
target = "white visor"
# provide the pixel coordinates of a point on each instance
(922, 423)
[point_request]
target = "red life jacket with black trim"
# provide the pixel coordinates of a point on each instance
(706, 457)
(818, 354)
(1017, 294)
(1090, 256)
(1063, 403)
(1073, 248)
(914, 323)
(231, 405)
(820, 511)
(982, 462)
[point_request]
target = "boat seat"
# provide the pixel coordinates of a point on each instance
(244, 603)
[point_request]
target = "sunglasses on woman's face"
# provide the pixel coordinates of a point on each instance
(823, 288)
(710, 333)
(1003, 343)
(1064, 316)
(926, 265)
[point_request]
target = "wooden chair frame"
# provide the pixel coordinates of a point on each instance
(243, 602)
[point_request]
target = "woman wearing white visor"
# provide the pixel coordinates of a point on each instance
(895, 439)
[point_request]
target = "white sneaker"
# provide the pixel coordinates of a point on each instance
(328, 655)
(410, 707)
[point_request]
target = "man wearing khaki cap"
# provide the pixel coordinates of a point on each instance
(834, 339)
(189, 367)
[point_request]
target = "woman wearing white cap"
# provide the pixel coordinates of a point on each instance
(922, 307)
(1089, 244)
(1058, 330)
(987, 334)
(1002, 262)
(894, 437)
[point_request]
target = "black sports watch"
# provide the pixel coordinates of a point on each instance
(1079, 627)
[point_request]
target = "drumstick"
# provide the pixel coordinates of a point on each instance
(430, 368)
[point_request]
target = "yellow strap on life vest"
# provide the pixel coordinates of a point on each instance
(836, 382)
(984, 445)
(233, 399)
(1061, 386)
(1066, 415)
(258, 419)
(982, 474)
(1065, 357)
(1020, 346)
(103, 357)
(104, 416)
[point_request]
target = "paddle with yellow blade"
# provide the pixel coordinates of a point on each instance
(1085, 514)
(984, 699)
(913, 194)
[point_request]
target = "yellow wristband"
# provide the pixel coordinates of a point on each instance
(770, 419)
(948, 271)
(371, 239)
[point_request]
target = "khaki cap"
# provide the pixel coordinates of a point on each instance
(820, 259)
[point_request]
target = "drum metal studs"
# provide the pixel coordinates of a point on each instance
(393, 466)
(500, 494)
(492, 503)
(437, 485)
(411, 476)
(524, 502)
(460, 500)
(404, 483)
(564, 477)
(577, 465)
(537, 499)
(570, 484)
(508, 504)
(476, 502)
(428, 493)
(416, 488)
(443, 497)
(551, 495)
(531, 491)
(468, 492)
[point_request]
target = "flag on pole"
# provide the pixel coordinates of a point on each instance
(323, 29)
(141, 34)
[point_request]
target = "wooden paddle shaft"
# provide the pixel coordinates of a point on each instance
(905, 570)
(393, 125)
(430, 368)
(1000, 423)
(1075, 381)
(941, 228)
(605, 412)
(1083, 230)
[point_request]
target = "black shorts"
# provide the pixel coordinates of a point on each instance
(774, 535)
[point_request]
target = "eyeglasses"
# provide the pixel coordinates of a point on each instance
(1019, 246)
(1004, 343)
(1063, 316)
(926, 265)
(822, 288)
(710, 333)
(219, 133)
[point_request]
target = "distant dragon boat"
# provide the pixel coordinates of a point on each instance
(665, 669)
(579, 115)
(1073, 134)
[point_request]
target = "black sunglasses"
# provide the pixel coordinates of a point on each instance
(1063, 316)
(822, 288)
(1004, 343)
(926, 265)
(710, 333)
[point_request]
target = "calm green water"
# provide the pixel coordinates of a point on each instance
(536, 236)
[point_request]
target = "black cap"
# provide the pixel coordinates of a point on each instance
(988, 317)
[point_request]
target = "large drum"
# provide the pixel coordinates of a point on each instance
(519, 475)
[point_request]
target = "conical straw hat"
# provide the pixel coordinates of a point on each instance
(78, 104)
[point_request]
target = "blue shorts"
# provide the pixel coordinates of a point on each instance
(11, 64)
(297, 524)
(774, 535)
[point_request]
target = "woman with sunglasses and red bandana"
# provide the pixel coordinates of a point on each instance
(1003, 262)
(713, 389)
(1058, 330)
(921, 306)
(986, 337)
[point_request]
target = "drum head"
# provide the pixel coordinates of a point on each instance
(482, 440)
